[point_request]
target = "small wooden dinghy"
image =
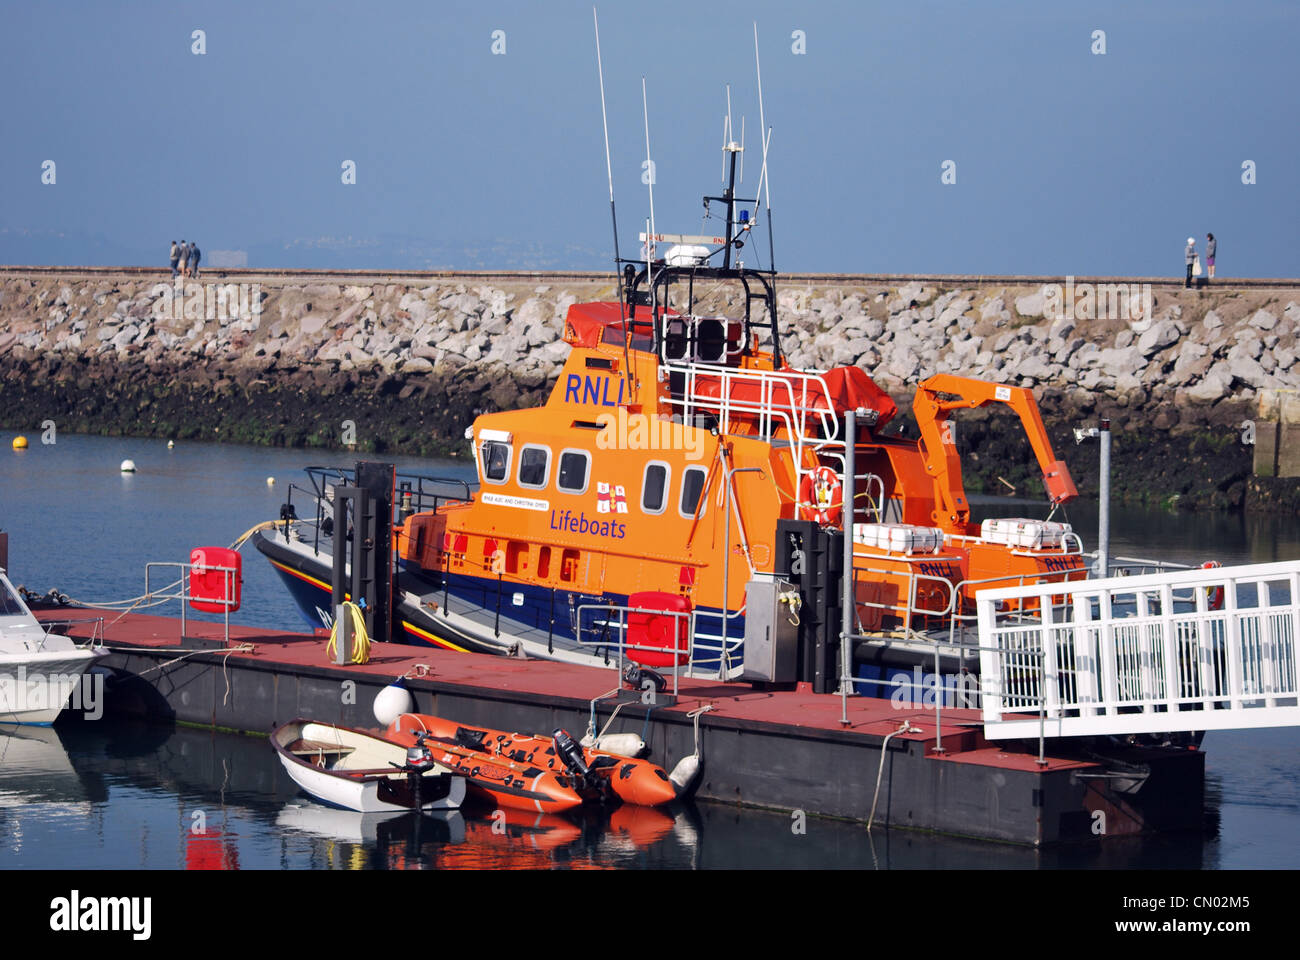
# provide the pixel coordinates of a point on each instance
(361, 771)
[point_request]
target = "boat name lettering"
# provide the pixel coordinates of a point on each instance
(1063, 563)
(571, 522)
(519, 503)
(945, 570)
(591, 390)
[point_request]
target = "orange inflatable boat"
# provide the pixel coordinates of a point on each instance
(592, 774)
(516, 785)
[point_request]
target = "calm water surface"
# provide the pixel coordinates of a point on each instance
(125, 795)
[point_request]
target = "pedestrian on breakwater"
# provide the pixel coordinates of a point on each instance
(1190, 256)
(185, 259)
(175, 256)
(194, 259)
(1211, 245)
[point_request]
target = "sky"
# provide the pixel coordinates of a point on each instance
(479, 149)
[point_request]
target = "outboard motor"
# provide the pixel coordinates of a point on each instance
(419, 759)
(571, 754)
(418, 756)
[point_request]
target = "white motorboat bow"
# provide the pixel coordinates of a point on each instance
(39, 670)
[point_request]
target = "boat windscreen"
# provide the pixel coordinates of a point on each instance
(10, 604)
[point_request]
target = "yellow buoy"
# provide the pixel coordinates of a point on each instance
(20, 443)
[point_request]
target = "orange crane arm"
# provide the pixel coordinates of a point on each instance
(952, 512)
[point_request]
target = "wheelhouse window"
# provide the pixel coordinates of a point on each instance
(572, 475)
(654, 487)
(534, 466)
(692, 489)
(496, 461)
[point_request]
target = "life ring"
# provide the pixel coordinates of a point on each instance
(1213, 595)
(821, 496)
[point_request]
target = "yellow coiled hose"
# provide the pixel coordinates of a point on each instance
(360, 639)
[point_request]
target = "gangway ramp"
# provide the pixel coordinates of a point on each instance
(1194, 650)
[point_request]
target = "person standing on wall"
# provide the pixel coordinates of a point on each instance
(185, 259)
(174, 256)
(1211, 245)
(194, 259)
(1190, 256)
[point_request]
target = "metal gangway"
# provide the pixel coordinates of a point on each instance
(1192, 650)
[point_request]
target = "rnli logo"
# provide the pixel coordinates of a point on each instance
(610, 499)
(596, 391)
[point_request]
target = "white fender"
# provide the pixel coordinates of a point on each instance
(623, 744)
(391, 702)
(684, 774)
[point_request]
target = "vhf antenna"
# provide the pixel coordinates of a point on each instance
(609, 172)
(650, 172)
(650, 182)
(609, 168)
(765, 134)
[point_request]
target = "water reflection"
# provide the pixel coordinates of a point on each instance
(123, 794)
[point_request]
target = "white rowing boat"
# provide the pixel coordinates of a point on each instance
(360, 771)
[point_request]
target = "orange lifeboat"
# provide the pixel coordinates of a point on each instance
(607, 775)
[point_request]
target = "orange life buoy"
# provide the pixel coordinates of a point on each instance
(821, 496)
(1213, 595)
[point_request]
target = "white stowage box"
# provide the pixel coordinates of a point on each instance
(899, 537)
(1019, 532)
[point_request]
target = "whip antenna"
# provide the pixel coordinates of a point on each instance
(613, 216)
(765, 134)
(650, 173)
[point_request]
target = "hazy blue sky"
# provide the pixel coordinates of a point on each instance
(1067, 162)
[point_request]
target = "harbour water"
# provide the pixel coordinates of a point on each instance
(126, 795)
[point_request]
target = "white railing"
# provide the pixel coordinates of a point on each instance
(606, 625)
(784, 398)
(179, 589)
(1201, 649)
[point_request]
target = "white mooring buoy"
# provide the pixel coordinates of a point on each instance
(170, 444)
(128, 466)
(270, 481)
(392, 701)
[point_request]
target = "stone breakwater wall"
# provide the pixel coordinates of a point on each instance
(410, 365)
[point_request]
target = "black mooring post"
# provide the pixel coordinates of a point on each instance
(379, 482)
(343, 496)
(365, 564)
(347, 500)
